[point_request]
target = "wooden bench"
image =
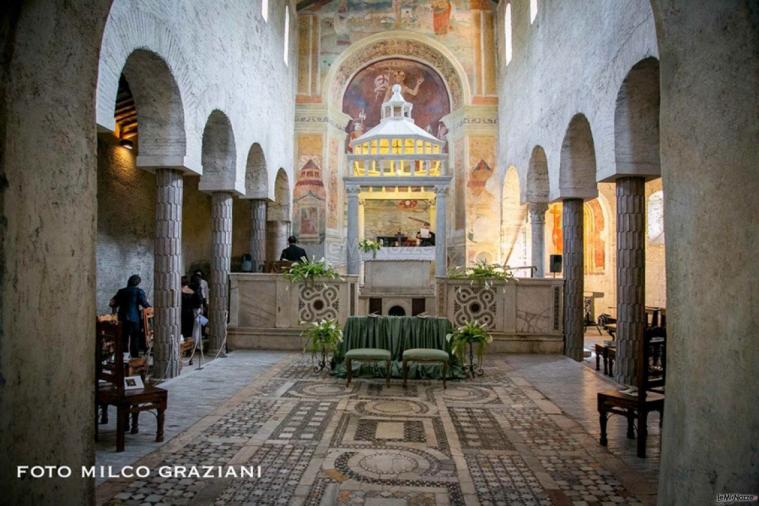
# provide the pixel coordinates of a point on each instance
(111, 390)
(367, 355)
(425, 355)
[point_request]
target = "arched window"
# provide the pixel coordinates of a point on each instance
(287, 32)
(533, 10)
(265, 9)
(507, 28)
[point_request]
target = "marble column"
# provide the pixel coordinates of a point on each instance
(441, 228)
(221, 261)
(631, 276)
(354, 256)
(573, 278)
(258, 232)
(167, 297)
(537, 224)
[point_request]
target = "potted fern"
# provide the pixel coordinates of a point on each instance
(369, 246)
(306, 271)
(471, 335)
(322, 337)
(482, 273)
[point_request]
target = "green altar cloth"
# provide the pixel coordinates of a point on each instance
(396, 334)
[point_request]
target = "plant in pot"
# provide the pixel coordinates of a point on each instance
(475, 337)
(307, 272)
(369, 246)
(482, 273)
(322, 338)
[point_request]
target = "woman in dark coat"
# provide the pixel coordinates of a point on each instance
(191, 301)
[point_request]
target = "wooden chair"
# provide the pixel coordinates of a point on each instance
(110, 368)
(634, 407)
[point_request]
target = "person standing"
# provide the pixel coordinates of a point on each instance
(192, 302)
(127, 302)
(293, 252)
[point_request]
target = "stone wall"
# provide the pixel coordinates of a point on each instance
(47, 225)
(126, 224)
(565, 63)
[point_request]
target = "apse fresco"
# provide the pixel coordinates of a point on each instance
(420, 84)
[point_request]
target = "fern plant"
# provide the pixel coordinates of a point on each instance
(471, 332)
(482, 273)
(306, 271)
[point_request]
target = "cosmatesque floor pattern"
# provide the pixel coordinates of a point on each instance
(494, 440)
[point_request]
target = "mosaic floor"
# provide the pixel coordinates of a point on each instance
(495, 440)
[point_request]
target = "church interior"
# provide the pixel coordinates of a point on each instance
(383, 252)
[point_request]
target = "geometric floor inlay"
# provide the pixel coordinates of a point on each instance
(318, 442)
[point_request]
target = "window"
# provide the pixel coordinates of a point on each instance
(287, 33)
(533, 10)
(507, 28)
(265, 9)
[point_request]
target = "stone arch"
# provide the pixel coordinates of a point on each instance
(577, 165)
(636, 121)
(256, 176)
(404, 45)
(219, 153)
(279, 209)
(158, 102)
(537, 186)
(133, 43)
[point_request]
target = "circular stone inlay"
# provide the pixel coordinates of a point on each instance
(388, 463)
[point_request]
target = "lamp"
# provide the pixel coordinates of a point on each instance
(126, 143)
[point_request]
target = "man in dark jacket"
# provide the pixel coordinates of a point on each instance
(293, 253)
(128, 302)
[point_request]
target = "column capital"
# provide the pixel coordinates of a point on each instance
(441, 189)
(537, 211)
(352, 190)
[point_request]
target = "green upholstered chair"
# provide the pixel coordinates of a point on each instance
(425, 355)
(367, 355)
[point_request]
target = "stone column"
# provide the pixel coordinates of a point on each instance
(573, 278)
(221, 260)
(537, 224)
(441, 236)
(258, 232)
(354, 257)
(167, 297)
(631, 276)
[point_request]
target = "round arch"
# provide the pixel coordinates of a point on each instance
(399, 44)
(256, 175)
(636, 121)
(577, 165)
(218, 154)
(158, 102)
(537, 185)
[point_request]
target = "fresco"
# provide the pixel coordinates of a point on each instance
(309, 194)
(482, 207)
(594, 231)
(463, 26)
(421, 86)
(594, 235)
